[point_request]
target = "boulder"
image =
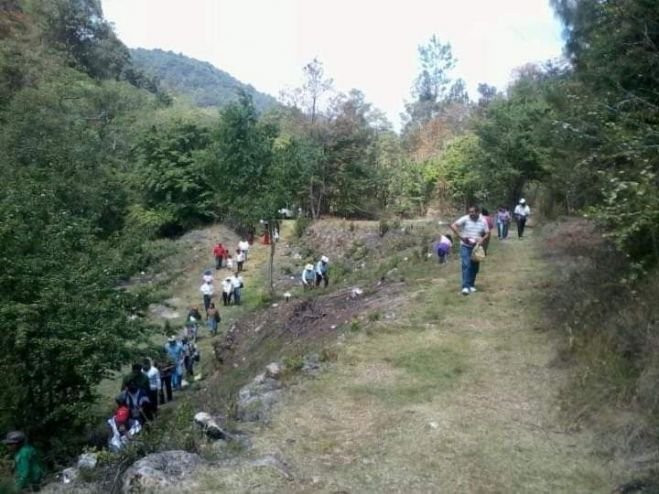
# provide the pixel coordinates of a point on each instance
(273, 370)
(87, 461)
(256, 399)
(161, 470)
(210, 426)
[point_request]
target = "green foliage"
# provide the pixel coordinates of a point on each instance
(172, 179)
(301, 225)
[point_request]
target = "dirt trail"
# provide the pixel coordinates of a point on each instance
(455, 394)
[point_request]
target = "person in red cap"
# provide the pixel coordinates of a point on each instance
(27, 465)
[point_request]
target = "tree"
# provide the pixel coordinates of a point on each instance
(244, 165)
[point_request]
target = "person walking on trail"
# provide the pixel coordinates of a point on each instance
(214, 317)
(227, 290)
(153, 374)
(472, 230)
(243, 246)
(207, 291)
(240, 260)
(485, 214)
(174, 351)
(219, 252)
(503, 222)
(322, 271)
(28, 470)
(444, 247)
(166, 367)
(207, 276)
(138, 377)
(237, 285)
(308, 277)
(522, 213)
(229, 262)
(138, 403)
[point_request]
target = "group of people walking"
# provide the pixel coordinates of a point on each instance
(474, 230)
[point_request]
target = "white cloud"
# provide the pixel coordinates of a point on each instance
(370, 45)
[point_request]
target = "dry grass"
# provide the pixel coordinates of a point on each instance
(455, 394)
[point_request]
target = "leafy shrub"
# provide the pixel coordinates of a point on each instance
(301, 225)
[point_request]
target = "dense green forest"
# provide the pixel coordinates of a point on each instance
(199, 82)
(98, 161)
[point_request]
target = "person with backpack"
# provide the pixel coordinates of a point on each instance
(214, 318)
(28, 469)
(137, 401)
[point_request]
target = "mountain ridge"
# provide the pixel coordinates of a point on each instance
(202, 83)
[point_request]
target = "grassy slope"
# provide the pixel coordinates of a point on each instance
(456, 394)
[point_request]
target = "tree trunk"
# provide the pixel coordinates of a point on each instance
(271, 267)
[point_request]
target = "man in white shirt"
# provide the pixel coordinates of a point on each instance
(207, 291)
(243, 246)
(472, 230)
(237, 285)
(153, 374)
(521, 213)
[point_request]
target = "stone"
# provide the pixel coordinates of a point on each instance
(87, 460)
(273, 370)
(158, 471)
(356, 292)
(69, 475)
(209, 425)
(311, 363)
(256, 399)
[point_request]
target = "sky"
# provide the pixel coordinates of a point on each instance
(370, 45)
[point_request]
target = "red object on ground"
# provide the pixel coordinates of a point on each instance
(266, 238)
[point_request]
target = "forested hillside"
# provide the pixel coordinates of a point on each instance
(101, 160)
(201, 83)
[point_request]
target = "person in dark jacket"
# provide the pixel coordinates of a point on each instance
(138, 377)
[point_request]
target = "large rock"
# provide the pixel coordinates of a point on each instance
(273, 370)
(161, 470)
(210, 426)
(256, 399)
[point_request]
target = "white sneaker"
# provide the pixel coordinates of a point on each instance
(465, 291)
(472, 289)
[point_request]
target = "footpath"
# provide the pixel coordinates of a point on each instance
(441, 393)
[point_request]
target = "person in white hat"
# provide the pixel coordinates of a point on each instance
(322, 271)
(308, 277)
(522, 212)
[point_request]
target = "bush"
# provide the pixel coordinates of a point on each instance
(301, 225)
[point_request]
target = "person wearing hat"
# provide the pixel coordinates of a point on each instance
(308, 277)
(522, 212)
(322, 271)
(27, 465)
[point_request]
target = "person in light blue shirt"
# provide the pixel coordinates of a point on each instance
(308, 277)
(175, 353)
(322, 271)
